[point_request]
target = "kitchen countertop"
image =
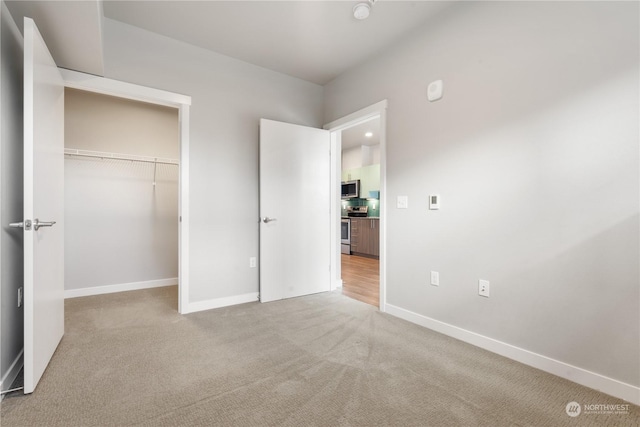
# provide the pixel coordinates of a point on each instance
(363, 217)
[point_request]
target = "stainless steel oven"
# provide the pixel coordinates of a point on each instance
(345, 236)
(345, 230)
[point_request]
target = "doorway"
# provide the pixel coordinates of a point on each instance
(360, 211)
(121, 194)
(100, 85)
(360, 157)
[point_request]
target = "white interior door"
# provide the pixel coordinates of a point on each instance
(43, 205)
(294, 210)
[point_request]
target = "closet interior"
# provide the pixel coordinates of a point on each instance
(121, 194)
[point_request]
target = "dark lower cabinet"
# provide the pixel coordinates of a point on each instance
(365, 237)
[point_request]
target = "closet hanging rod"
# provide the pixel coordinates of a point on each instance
(116, 156)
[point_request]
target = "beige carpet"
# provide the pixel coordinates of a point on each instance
(322, 360)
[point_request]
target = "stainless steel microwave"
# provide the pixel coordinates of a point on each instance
(351, 189)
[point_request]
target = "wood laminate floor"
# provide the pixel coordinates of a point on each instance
(361, 279)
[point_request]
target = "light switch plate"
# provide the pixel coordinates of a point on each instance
(403, 202)
(434, 91)
(435, 278)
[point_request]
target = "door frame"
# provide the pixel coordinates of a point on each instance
(336, 127)
(101, 85)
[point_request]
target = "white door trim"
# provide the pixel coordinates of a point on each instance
(96, 84)
(378, 109)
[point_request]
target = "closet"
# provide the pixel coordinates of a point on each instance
(121, 194)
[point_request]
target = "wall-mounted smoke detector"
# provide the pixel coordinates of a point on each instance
(362, 10)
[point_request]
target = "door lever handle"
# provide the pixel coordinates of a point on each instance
(26, 225)
(37, 223)
(267, 220)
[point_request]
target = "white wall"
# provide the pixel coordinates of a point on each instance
(105, 123)
(375, 154)
(228, 99)
(11, 172)
(534, 151)
(357, 157)
(120, 228)
(352, 158)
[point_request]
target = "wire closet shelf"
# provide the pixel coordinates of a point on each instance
(116, 156)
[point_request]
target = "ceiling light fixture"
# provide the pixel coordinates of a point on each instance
(368, 134)
(362, 10)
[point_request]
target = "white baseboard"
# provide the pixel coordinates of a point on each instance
(336, 284)
(12, 373)
(123, 287)
(578, 375)
(221, 302)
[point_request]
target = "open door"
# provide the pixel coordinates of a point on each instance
(43, 206)
(295, 219)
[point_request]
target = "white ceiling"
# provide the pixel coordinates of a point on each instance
(312, 40)
(355, 136)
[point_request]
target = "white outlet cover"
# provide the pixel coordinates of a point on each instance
(434, 91)
(483, 288)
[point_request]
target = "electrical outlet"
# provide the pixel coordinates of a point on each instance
(252, 262)
(435, 278)
(483, 288)
(19, 297)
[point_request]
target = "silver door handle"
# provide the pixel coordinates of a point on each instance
(267, 220)
(37, 223)
(26, 225)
